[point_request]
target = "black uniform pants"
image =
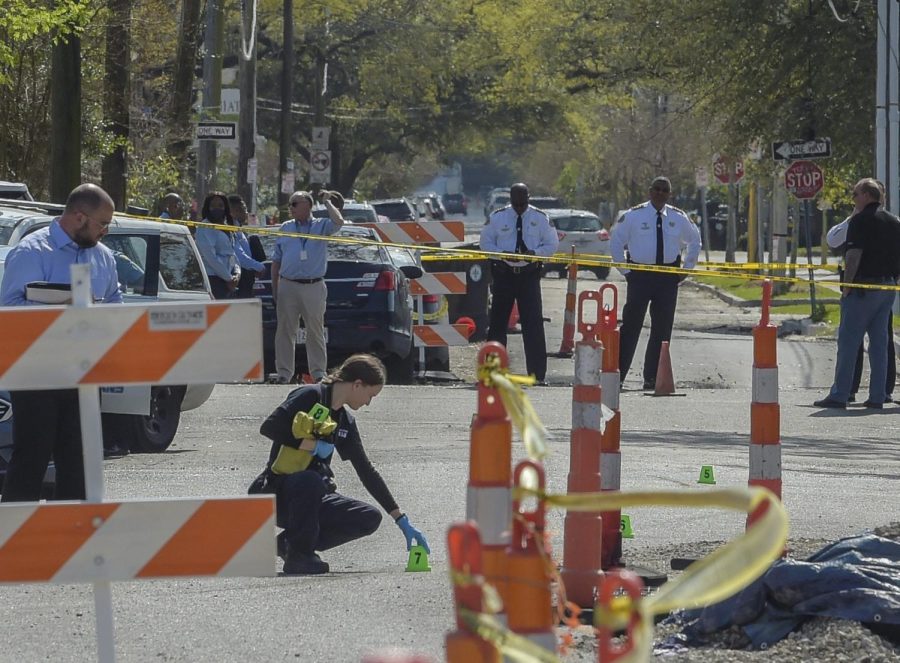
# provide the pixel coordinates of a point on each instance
(659, 292)
(523, 288)
(219, 287)
(891, 366)
(314, 519)
(245, 285)
(46, 424)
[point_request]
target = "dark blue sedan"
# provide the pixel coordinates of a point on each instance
(369, 306)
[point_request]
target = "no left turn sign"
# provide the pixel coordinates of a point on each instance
(320, 166)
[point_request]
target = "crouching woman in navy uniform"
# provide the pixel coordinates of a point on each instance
(305, 430)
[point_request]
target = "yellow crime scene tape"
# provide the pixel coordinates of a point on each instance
(432, 253)
(721, 574)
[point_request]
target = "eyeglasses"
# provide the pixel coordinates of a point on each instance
(659, 190)
(297, 202)
(102, 224)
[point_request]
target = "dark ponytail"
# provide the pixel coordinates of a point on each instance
(368, 369)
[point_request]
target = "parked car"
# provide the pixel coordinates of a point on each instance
(14, 191)
(369, 308)
(353, 212)
(455, 203)
(395, 209)
(583, 231)
(545, 202)
(156, 262)
(498, 198)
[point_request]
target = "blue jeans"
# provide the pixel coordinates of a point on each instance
(863, 312)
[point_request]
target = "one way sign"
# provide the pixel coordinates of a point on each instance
(788, 150)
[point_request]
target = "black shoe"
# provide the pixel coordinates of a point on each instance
(851, 398)
(305, 564)
(281, 545)
(874, 406)
(888, 399)
(830, 402)
(649, 385)
(114, 451)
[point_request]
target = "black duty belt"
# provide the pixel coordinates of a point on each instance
(505, 268)
(304, 281)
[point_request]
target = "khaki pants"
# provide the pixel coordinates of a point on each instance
(295, 301)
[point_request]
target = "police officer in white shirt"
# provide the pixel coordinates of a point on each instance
(654, 233)
(519, 228)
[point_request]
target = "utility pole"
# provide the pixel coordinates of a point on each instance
(212, 93)
(65, 118)
(731, 227)
(247, 176)
(286, 175)
(779, 229)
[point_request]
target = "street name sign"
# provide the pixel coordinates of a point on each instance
(788, 150)
(217, 131)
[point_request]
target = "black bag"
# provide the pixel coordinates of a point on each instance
(257, 251)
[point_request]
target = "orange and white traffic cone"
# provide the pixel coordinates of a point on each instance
(488, 498)
(610, 439)
(765, 414)
(567, 346)
(463, 645)
(529, 609)
(665, 380)
(584, 530)
(513, 318)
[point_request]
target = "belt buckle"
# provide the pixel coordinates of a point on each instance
(516, 269)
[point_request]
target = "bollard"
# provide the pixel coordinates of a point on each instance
(610, 456)
(567, 345)
(765, 424)
(529, 609)
(581, 569)
(462, 645)
(490, 462)
(619, 591)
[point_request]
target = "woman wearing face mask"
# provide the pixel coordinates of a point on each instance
(217, 246)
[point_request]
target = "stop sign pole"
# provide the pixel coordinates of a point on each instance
(804, 180)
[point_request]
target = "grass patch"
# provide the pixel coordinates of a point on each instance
(752, 288)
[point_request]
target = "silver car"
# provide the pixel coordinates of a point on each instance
(156, 262)
(583, 231)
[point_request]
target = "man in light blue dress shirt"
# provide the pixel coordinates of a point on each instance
(46, 423)
(298, 285)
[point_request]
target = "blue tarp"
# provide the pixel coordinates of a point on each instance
(857, 578)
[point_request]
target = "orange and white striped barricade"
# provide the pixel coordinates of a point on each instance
(567, 345)
(581, 569)
(426, 232)
(610, 454)
(490, 474)
(419, 232)
(765, 413)
(84, 346)
(530, 610)
(616, 586)
(463, 645)
(439, 283)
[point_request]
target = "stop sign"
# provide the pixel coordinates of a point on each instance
(803, 179)
(722, 168)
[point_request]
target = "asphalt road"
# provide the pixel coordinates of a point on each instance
(840, 476)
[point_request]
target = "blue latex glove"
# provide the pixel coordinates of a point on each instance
(412, 533)
(323, 449)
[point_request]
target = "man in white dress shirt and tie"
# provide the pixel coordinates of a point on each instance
(519, 228)
(654, 233)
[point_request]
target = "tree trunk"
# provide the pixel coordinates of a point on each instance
(183, 82)
(116, 97)
(65, 118)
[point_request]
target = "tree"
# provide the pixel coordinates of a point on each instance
(116, 99)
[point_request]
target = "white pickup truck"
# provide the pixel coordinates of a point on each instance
(156, 262)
